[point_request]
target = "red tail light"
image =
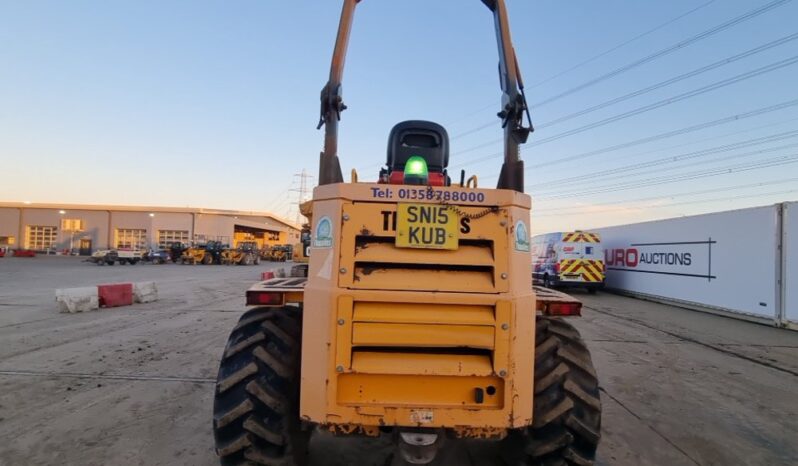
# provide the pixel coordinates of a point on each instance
(265, 298)
(564, 309)
(557, 267)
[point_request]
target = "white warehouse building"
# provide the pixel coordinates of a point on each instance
(85, 228)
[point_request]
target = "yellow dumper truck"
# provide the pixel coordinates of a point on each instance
(417, 318)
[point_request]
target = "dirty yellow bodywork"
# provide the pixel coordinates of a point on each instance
(299, 256)
(418, 337)
(233, 256)
(277, 253)
(193, 255)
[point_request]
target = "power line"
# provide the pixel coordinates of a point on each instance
(671, 196)
(697, 141)
(673, 80)
(668, 50)
(627, 42)
(674, 159)
(479, 128)
(645, 140)
(694, 164)
(654, 181)
(276, 200)
(283, 204)
(703, 35)
(578, 65)
(475, 112)
(672, 100)
(655, 206)
(648, 89)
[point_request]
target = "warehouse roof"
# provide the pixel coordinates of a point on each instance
(153, 209)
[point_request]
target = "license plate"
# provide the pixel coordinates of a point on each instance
(571, 277)
(426, 226)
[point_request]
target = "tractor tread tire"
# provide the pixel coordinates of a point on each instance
(567, 408)
(256, 401)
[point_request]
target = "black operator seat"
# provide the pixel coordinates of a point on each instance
(423, 138)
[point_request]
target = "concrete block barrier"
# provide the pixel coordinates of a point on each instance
(91, 298)
(145, 292)
(73, 300)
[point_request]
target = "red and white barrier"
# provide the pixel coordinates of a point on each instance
(91, 298)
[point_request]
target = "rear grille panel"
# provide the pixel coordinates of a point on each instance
(370, 259)
(453, 350)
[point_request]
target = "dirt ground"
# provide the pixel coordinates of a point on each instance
(134, 385)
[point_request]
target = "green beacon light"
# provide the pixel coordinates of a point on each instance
(416, 170)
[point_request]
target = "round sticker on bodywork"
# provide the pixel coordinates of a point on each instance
(521, 236)
(323, 237)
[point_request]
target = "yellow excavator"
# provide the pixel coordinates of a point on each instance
(417, 318)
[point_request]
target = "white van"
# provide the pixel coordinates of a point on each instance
(574, 258)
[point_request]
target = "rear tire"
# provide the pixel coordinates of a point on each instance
(256, 404)
(566, 426)
(207, 259)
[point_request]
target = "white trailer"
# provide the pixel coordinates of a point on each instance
(741, 262)
(789, 264)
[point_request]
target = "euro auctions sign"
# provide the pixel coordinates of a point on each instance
(681, 258)
(723, 260)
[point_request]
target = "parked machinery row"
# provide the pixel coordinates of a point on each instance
(246, 253)
(211, 252)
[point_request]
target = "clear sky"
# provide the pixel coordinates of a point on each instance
(214, 103)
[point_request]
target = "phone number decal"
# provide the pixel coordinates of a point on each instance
(427, 194)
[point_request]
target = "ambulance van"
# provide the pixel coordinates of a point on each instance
(568, 259)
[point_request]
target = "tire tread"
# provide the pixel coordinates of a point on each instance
(256, 416)
(566, 426)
